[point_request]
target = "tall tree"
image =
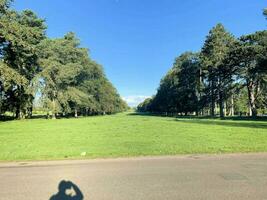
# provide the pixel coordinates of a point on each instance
(249, 57)
(69, 81)
(61, 62)
(72, 82)
(145, 105)
(215, 48)
(20, 33)
(179, 89)
(188, 83)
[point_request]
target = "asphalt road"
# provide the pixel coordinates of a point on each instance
(237, 177)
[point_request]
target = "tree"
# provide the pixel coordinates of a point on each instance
(166, 98)
(188, 83)
(179, 89)
(59, 69)
(249, 58)
(145, 105)
(72, 82)
(20, 33)
(241, 101)
(215, 48)
(4, 6)
(61, 64)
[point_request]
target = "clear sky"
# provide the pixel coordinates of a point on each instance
(136, 41)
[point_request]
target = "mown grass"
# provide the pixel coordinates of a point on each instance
(127, 134)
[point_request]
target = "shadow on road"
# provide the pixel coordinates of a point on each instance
(67, 191)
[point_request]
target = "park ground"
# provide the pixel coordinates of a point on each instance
(126, 135)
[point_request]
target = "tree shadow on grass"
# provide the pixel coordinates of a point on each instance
(242, 124)
(10, 118)
(147, 114)
(246, 122)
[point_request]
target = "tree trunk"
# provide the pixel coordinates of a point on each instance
(54, 105)
(212, 109)
(0, 105)
(29, 113)
(54, 115)
(225, 109)
(232, 111)
(18, 112)
(75, 113)
(221, 98)
(199, 110)
(249, 113)
(18, 106)
(251, 96)
(221, 103)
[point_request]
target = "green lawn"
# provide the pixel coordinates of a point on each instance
(127, 134)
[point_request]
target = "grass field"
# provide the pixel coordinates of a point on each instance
(127, 134)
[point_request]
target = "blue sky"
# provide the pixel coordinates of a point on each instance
(136, 41)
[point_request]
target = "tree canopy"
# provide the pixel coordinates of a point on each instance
(227, 77)
(57, 72)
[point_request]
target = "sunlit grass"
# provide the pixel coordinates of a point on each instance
(127, 135)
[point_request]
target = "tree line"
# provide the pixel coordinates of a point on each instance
(56, 74)
(227, 77)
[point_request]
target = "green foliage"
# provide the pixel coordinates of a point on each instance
(188, 83)
(248, 57)
(228, 73)
(9, 76)
(145, 105)
(215, 48)
(4, 5)
(241, 101)
(217, 75)
(72, 82)
(178, 91)
(20, 33)
(59, 69)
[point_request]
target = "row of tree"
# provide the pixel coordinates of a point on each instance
(56, 73)
(227, 77)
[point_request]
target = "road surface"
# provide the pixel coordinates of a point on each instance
(207, 177)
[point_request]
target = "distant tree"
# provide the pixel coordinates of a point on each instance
(145, 105)
(188, 83)
(179, 89)
(241, 103)
(166, 98)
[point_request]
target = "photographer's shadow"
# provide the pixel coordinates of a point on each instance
(67, 191)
